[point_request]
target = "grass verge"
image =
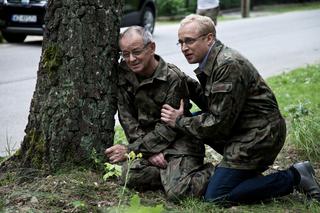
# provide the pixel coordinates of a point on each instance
(296, 93)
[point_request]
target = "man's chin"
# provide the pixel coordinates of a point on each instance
(191, 61)
(135, 69)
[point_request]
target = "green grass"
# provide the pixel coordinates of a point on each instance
(298, 87)
(297, 94)
(292, 203)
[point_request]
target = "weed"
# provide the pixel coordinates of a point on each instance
(130, 158)
(79, 206)
(111, 170)
(9, 148)
(97, 160)
(135, 206)
(304, 133)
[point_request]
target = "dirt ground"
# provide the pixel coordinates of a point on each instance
(85, 191)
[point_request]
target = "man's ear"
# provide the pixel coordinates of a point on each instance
(211, 38)
(153, 46)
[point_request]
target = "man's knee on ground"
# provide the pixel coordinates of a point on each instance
(145, 179)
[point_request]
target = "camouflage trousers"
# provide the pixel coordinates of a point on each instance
(184, 176)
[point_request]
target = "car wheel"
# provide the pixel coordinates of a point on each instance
(148, 19)
(14, 38)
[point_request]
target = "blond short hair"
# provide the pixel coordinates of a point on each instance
(204, 23)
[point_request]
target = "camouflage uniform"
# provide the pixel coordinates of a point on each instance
(139, 106)
(243, 121)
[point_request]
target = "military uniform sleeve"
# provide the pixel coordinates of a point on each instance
(162, 136)
(127, 117)
(196, 93)
(226, 95)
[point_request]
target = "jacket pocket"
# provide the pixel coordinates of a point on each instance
(219, 87)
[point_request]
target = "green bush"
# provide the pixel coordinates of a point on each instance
(229, 4)
(1, 39)
(171, 7)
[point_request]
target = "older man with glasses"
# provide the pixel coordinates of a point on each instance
(171, 161)
(242, 122)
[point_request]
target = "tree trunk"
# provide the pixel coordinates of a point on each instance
(245, 8)
(74, 103)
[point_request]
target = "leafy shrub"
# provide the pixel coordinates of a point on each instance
(170, 7)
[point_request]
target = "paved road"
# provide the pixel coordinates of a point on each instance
(273, 43)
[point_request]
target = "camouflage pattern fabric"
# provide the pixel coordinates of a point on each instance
(139, 106)
(184, 176)
(243, 121)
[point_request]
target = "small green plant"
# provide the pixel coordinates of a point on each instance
(79, 205)
(135, 206)
(111, 170)
(130, 158)
(297, 111)
(97, 160)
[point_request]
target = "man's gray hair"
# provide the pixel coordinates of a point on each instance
(204, 23)
(145, 34)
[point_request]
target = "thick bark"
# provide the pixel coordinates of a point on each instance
(73, 106)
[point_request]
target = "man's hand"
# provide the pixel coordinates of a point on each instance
(170, 114)
(158, 160)
(116, 153)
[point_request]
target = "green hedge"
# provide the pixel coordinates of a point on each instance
(170, 7)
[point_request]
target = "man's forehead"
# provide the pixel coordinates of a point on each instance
(188, 29)
(128, 41)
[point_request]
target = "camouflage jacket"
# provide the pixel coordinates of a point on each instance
(139, 108)
(243, 121)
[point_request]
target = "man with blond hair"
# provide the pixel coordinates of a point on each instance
(242, 122)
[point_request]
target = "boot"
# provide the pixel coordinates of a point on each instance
(308, 183)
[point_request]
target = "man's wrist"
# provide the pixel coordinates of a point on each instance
(178, 123)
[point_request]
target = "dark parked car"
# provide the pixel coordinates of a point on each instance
(19, 18)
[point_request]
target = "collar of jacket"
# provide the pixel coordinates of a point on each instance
(217, 47)
(161, 73)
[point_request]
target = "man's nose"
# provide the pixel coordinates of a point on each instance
(184, 47)
(131, 57)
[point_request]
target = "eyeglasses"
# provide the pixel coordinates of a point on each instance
(135, 53)
(189, 41)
